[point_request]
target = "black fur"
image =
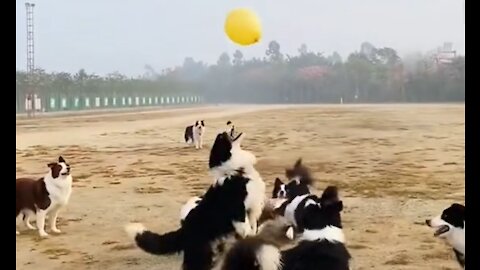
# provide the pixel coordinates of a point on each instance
(455, 215)
(209, 221)
(318, 254)
(189, 133)
(153, 243)
(220, 151)
(243, 255)
(460, 258)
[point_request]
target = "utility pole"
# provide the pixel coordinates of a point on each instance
(31, 95)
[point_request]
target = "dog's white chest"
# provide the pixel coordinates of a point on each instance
(59, 193)
(256, 192)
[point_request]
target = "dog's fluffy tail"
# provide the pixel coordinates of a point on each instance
(154, 243)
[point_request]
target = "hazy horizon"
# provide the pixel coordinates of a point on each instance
(124, 36)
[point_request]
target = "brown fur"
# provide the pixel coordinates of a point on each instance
(32, 194)
(274, 232)
(300, 170)
(269, 211)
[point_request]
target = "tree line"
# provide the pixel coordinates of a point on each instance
(368, 75)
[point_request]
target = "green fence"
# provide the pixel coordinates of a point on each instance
(76, 103)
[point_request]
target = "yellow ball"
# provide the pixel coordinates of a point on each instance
(243, 27)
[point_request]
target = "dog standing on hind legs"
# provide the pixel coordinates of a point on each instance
(45, 196)
(232, 205)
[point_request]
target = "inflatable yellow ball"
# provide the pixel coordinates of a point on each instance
(243, 27)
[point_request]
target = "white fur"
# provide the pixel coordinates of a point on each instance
(454, 236)
(134, 229)
(290, 233)
(198, 133)
(243, 229)
(255, 200)
(329, 233)
(290, 209)
(188, 206)
(269, 258)
(59, 190)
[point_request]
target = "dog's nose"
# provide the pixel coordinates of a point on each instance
(428, 222)
(282, 193)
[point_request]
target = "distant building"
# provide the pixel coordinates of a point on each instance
(444, 54)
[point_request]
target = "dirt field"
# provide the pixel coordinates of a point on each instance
(396, 165)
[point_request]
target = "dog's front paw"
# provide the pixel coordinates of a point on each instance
(56, 230)
(43, 234)
(243, 229)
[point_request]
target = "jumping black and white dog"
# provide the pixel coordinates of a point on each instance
(450, 226)
(299, 181)
(321, 244)
(232, 204)
(194, 134)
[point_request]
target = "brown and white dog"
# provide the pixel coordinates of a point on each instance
(45, 196)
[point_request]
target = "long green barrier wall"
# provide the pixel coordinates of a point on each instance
(68, 103)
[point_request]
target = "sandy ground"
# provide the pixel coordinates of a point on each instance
(396, 165)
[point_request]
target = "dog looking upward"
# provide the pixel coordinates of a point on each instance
(45, 196)
(231, 205)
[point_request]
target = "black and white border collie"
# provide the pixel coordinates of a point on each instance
(194, 134)
(299, 182)
(321, 244)
(450, 226)
(232, 204)
(262, 251)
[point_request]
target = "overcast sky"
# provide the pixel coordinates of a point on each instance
(124, 35)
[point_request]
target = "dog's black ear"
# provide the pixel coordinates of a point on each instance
(336, 206)
(229, 122)
(298, 163)
(203, 123)
(220, 151)
(51, 165)
(329, 195)
(278, 182)
(61, 159)
(196, 123)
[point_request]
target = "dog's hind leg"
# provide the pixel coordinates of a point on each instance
(26, 221)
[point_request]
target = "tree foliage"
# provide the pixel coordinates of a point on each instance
(368, 75)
